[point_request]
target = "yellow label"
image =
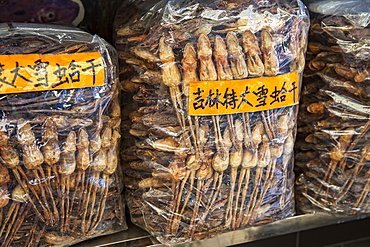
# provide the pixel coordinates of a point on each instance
(36, 72)
(247, 95)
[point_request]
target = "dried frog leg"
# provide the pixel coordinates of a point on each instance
(364, 194)
(82, 161)
(112, 164)
(224, 73)
(98, 159)
(15, 214)
(277, 150)
(238, 66)
(178, 171)
(51, 152)
(337, 154)
(10, 158)
(193, 164)
(66, 167)
(236, 158)
(249, 161)
(203, 173)
(354, 173)
(264, 159)
(172, 78)
(189, 66)
(207, 72)
(98, 167)
(220, 162)
(4, 200)
(32, 159)
(4, 194)
(271, 68)
(35, 235)
(31, 235)
(240, 71)
(286, 128)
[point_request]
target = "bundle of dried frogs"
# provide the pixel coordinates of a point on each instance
(59, 133)
(332, 150)
(191, 176)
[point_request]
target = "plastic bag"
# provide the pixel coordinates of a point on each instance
(355, 11)
(332, 147)
(60, 182)
(216, 88)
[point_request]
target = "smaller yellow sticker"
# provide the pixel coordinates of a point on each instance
(36, 72)
(247, 95)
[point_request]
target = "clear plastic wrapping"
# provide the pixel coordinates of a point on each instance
(60, 180)
(206, 158)
(332, 150)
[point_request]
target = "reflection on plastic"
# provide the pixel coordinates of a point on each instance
(59, 173)
(194, 177)
(333, 155)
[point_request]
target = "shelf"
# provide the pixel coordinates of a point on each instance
(135, 236)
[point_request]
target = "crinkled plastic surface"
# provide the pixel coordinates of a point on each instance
(332, 143)
(60, 181)
(190, 176)
(358, 12)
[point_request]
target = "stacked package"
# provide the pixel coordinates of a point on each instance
(332, 151)
(215, 90)
(60, 182)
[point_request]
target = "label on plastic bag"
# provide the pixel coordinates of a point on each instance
(246, 95)
(36, 72)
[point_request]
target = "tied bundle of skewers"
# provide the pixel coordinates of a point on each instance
(60, 181)
(332, 151)
(190, 177)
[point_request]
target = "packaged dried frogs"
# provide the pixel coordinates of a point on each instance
(214, 123)
(333, 144)
(60, 182)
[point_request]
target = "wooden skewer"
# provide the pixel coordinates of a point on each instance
(66, 167)
(263, 161)
(32, 234)
(97, 164)
(351, 178)
(51, 153)
(14, 227)
(204, 172)
(249, 161)
(82, 161)
(19, 203)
